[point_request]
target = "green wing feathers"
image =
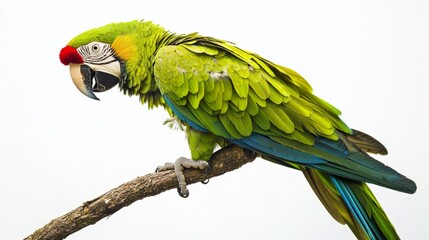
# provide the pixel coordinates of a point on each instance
(246, 93)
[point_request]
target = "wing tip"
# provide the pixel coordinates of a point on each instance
(403, 184)
(409, 186)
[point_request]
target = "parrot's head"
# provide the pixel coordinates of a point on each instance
(102, 57)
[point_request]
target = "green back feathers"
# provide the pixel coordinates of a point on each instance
(214, 81)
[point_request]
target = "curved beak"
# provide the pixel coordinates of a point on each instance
(83, 76)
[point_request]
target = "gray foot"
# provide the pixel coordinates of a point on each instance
(178, 166)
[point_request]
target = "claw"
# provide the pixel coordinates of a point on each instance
(207, 169)
(205, 181)
(184, 194)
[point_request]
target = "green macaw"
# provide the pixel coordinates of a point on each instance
(222, 94)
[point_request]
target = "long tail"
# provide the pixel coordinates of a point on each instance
(352, 203)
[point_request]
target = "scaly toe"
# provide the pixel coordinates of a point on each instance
(178, 166)
(166, 167)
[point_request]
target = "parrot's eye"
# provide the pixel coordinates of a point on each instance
(95, 48)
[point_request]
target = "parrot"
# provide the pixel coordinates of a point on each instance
(221, 94)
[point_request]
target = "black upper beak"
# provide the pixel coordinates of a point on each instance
(89, 81)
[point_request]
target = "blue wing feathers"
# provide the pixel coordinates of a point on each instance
(334, 158)
(264, 145)
(333, 147)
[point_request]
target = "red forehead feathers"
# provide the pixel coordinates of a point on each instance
(70, 55)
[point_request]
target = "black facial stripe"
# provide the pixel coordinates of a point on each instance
(85, 51)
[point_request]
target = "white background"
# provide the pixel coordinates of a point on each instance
(59, 148)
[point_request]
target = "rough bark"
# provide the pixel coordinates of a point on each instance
(225, 160)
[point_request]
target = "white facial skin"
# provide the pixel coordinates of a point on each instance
(100, 57)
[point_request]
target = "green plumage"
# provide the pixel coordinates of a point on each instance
(220, 93)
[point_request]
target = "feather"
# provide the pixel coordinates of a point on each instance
(252, 108)
(257, 88)
(275, 96)
(262, 120)
(261, 102)
(366, 142)
(279, 119)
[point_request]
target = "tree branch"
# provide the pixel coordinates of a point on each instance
(225, 160)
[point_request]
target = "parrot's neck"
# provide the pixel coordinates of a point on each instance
(138, 75)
